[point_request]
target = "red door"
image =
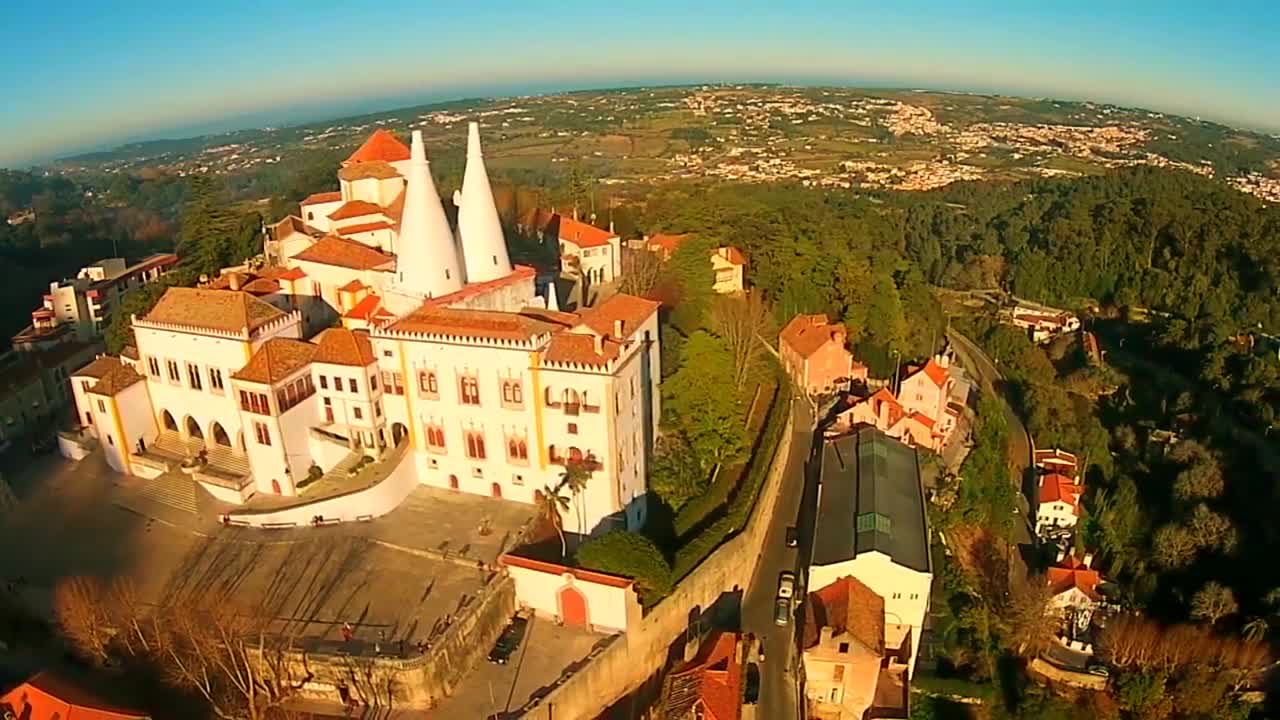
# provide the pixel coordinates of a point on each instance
(573, 606)
(275, 486)
(328, 414)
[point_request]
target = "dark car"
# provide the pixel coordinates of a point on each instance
(793, 537)
(751, 690)
(509, 641)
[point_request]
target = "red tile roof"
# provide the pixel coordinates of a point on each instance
(518, 273)
(116, 378)
(355, 208)
(710, 686)
(98, 368)
(340, 346)
(364, 227)
(1059, 488)
(294, 273)
(631, 310)
(582, 234)
(731, 254)
(224, 310)
(923, 419)
(467, 324)
(368, 309)
(382, 146)
(46, 696)
(933, 370)
(354, 286)
(366, 170)
(1072, 573)
(589, 576)
(666, 244)
(275, 360)
(807, 334)
(848, 607)
(580, 349)
(1055, 459)
(324, 197)
(341, 252)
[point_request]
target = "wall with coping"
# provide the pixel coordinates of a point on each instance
(628, 662)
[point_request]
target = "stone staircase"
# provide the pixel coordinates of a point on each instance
(170, 491)
(336, 474)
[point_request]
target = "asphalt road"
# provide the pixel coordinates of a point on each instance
(988, 375)
(778, 676)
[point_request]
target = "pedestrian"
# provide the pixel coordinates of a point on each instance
(377, 646)
(347, 632)
(422, 648)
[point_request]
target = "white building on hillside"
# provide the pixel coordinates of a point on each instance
(449, 367)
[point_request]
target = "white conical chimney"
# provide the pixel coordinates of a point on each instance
(427, 263)
(484, 249)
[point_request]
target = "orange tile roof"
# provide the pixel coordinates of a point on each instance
(382, 146)
(1059, 488)
(368, 170)
(1073, 573)
(116, 380)
(923, 419)
(466, 324)
(807, 334)
(367, 309)
(731, 254)
(667, 244)
(294, 273)
(848, 607)
(590, 576)
(518, 274)
(355, 208)
(364, 227)
(583, 234)
(938, 374)
(261, 286)
(354, 286)
(324, 197)
(710, 686)
(563, 319)
(275, 360)
(98, 368)
(340, 346)
(225, 310)
(341, 252)
(46, 696)
(631, 310)
(1055, 457)
(580, 349)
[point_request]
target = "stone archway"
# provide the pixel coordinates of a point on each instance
(192, 428)
(573, 607)
(398, 433)
(219, 435)
(453, 482)
(166, 419)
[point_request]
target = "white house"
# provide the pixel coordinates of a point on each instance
(1058, 503)
(872, 525)
(584, 249)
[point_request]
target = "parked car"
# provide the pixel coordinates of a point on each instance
(509, 641)
(793, 537)
(1098, 669)
(782, 611)
(786, 584)
(751, 691)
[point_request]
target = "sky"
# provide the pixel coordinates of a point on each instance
(80, 74)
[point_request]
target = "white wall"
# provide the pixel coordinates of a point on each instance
(371, 502)
(609, 608)
(206, 405)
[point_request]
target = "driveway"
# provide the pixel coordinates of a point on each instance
(779, 679)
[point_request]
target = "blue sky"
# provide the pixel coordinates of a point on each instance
(80, 73)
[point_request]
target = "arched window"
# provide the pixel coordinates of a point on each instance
(475, 445)
(506, 392)
(517, 393)
(523, 449)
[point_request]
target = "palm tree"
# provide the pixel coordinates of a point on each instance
(551, 506)
(575, 476)
(1256, 629)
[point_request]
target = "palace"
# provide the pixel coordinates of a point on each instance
(378, 332)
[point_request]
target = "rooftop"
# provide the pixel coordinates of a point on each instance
(469, 324)
(850, 608)
(116, 379)
(710, 686)
(806, 334)
(275, 360)
(354, 209)
(324, 197)
(340, 252)
(47, 696)
(631, 310)
(871, 500)
(340, 346)
(381, 146)
(224, 310)
(1072, 573)
(1059, 488)
(366, 170)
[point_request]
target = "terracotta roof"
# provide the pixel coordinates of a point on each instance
(117, 377)
(666, 243)
(129, 352)
(275, 360)
(807, 334)
(518, 274)
(354, 209)
(261, 286)
(293, 224)
(1059, 488)
(710, 686)
(583, 234)
(339, 346)
(367, 170)
(226, 310)
(458, 323)
(923, 419)
(341, 252)
(631, 310)
(935, 372)
(1073, 573)
(848, 607)
(324, 197)
(98, 368)
(364, 227)
(49, 696)
(367, 309)
(382, 146)
(353, 286)
(590, 576)
(1055, 457)
(395, 210)
(732, 254)
(561, 318)
(294, 273)
(580, 349)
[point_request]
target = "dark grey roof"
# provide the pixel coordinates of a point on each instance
(871, 499)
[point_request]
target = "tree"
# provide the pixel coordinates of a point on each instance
(207, 240)
(1212, 530)
(575, 476)
(139, 301)
(1031, 627)
(640, 271)
(741, 322)
(675, 473)
(1174, 546)
(83, 617)
(552, 506)
(1213, 602)
(702, 402)
(620, 552)
(689, 273)
(1200, 477)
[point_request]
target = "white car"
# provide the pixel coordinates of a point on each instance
(787, 585)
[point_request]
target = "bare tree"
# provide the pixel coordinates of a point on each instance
(1030, 624)
(1213, 602)
(741, 322)
(640, 271)
(84, 619)
(371, 682)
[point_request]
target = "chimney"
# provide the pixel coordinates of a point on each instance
(825, 634)
(234, 280)
(575, 212)
(611, 231)
(944, 360)
(617, 329)
(599, 343)
(1088, 560)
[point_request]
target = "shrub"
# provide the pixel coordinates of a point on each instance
(619, 552)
